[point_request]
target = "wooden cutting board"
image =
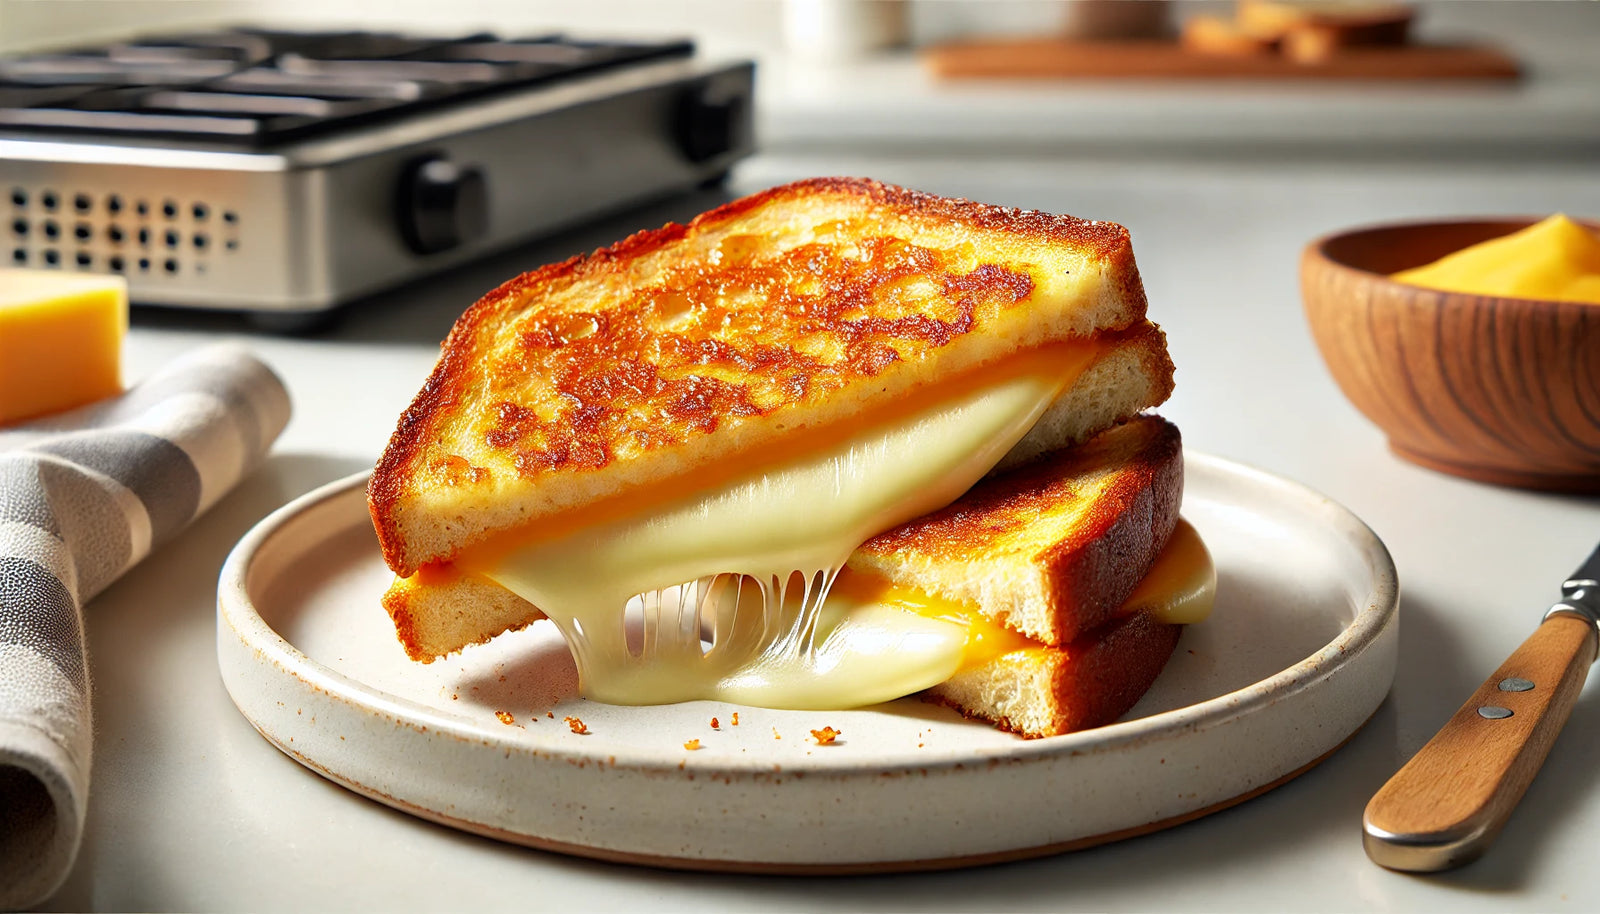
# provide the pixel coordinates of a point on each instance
(1051, 58)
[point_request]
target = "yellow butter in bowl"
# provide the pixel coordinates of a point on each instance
(1556, 260)
(60, 340)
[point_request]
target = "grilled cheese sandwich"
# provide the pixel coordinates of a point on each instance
(748, 398)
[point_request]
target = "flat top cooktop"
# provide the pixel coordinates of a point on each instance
(257, 88)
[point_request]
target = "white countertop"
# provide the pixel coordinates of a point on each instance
(191, 809)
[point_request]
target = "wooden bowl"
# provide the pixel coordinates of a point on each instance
(1502, 390)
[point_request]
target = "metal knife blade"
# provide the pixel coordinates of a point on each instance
(1587, 577)
(1581, 592)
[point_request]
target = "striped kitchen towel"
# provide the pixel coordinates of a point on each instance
(84, 495)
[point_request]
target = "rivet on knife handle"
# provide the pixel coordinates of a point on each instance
(1448, 803)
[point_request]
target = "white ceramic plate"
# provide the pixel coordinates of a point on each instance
(1299, 653)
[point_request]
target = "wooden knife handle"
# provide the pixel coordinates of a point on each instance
(1446, 806)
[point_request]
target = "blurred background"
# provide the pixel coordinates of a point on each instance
(1225, 135)
(1180, 116)
(853, 74)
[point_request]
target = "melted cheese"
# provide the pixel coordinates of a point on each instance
(788, 528)
(984, 639)
(1179, 589)
(1556, 259)
(1181, 586)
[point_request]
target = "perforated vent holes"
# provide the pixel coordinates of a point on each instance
(112, 232)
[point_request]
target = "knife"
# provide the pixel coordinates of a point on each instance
(1445, 807)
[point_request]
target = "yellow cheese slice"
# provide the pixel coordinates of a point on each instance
(60, 340)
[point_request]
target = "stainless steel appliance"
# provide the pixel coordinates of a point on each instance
(286, 172)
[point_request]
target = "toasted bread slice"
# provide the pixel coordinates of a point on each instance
(1048, 691)
(1348, 22)
(1219, 37)
(1051, 549)
(693, 348)
(439, 612)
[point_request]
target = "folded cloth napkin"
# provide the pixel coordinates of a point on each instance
(84, 495)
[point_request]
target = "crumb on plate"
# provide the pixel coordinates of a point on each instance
(576, 725)
(716, 724)
(826, 735)
(692, 745)
(505, 717)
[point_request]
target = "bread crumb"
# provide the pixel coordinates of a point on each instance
(454, 697)
(826, 735)
(550, 714)
(505, 717)
(735, 720)
(692, 745)
(775, 733)
(576, 725)
(716, 724)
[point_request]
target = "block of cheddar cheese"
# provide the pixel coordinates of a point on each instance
(60, 340)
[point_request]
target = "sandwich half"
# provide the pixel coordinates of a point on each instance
(755, 393)
(1072, 575)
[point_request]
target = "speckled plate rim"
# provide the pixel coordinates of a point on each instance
(240, 625)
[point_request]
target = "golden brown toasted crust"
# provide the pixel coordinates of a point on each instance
(794, 308)
(1068, 537)
(1051, 691)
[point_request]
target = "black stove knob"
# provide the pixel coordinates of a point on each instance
(442, 204)
(711, 121)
